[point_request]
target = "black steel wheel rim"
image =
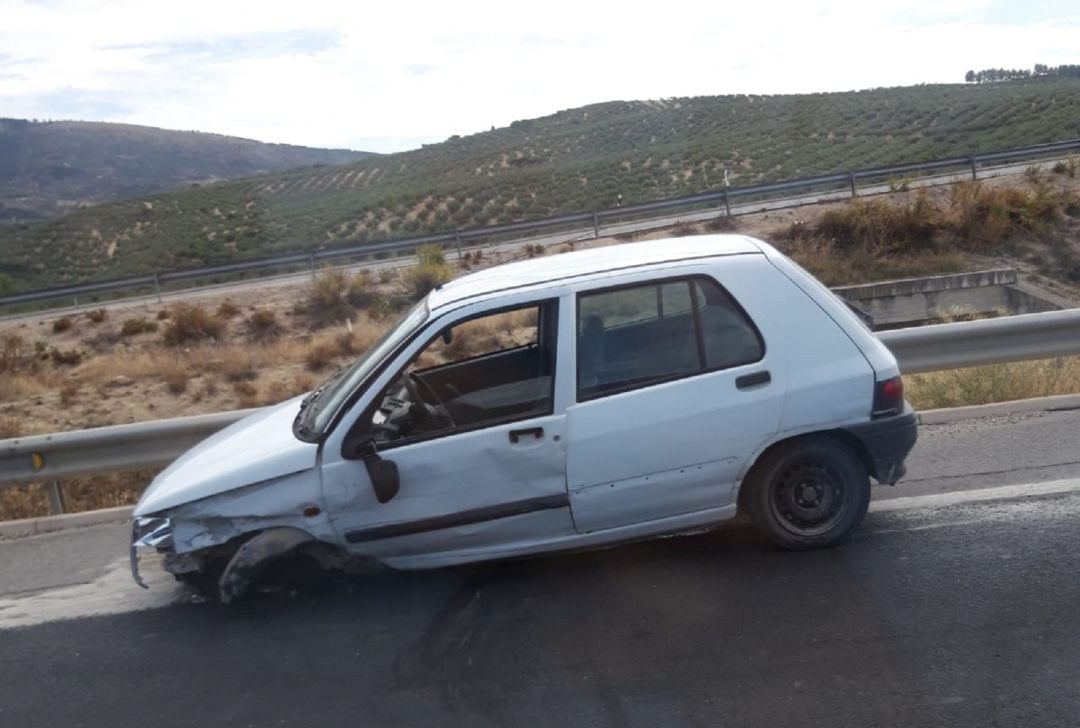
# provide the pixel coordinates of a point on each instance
(809, 497)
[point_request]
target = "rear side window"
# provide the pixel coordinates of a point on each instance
(635, 336)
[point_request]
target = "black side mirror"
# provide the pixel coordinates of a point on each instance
(383, 474)
(447, 335)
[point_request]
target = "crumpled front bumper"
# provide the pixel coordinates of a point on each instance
(150, 532)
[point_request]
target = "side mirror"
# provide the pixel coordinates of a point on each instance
(447, 335)
(383, 474)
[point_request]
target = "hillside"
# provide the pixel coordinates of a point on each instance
(50, 168)
(578, 159)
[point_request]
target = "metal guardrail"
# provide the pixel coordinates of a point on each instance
(48, 458)
(725, 197)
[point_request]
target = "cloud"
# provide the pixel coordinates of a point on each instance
(389, 76)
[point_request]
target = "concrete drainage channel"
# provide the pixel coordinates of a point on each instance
(979, 294)
(50, 524)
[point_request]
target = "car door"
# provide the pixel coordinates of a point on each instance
(487, 477)
(676, 388)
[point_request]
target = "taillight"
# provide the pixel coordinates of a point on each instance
(888, 397)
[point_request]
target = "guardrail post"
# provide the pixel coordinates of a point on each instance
(727, 204)
(457, 243)
(56, 497)
(851, 178)
(973, 169)
(596, 224)
(311, 262)
(157, 287)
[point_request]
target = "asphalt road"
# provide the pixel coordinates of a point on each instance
(956, 604)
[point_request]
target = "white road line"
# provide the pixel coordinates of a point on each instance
(959, 497)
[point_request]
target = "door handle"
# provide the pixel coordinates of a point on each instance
(537, 432)
(752, 380)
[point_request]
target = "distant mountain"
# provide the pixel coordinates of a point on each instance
(50, 168)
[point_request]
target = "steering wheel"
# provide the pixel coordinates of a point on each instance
(428, 410)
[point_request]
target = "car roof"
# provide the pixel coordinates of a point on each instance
(588, 262)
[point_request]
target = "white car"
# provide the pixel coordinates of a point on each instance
(565, 402)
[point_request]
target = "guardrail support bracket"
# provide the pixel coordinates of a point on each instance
(56, 497)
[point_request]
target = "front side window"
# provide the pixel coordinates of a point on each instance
(634, 336)
(490, 369)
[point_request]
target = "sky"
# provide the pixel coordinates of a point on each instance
(391, 76)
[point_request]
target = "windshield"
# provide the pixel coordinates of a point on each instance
(323, 403)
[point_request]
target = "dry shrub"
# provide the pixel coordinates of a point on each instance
(320, 356)
(987, 216)
(886, 227)
(284, 389)
(421, 279)
(976, 218)
(361, 292)
(176, 377)
(326, 297)
(62, 324)
(162, 314)
(533, 250)
(191, 323)
(97, 315)
(136, 326)
(9, 427)
(682, 229)
(65, 357)
(237, 364)
(302, 383)
(68, 393)
(247, 394)
(227, 310)
(263, 325)
(722, 224)
(16, 355)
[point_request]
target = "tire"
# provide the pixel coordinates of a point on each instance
(809, 493)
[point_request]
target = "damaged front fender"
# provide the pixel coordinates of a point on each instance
(253, 556)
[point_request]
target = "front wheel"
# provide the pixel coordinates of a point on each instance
(809, 493)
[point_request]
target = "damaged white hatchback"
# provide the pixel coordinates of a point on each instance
(581, 400)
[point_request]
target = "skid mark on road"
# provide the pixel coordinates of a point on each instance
(113, 593)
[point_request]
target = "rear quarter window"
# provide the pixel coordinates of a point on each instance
(644, 334)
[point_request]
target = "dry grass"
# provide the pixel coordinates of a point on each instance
(993, 383)
(62, 324)
(80, 494)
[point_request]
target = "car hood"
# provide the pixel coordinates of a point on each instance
(255, 449)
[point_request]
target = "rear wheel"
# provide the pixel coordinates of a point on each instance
(809, 493)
